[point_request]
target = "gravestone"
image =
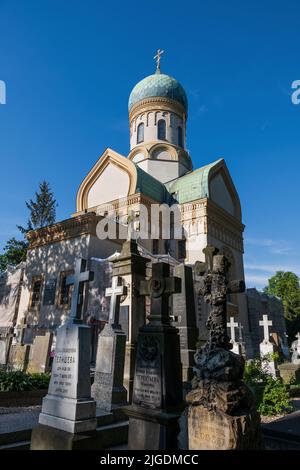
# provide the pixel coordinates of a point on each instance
(236, 347)
(108, 390)
(19, 356)
(267, 349)
(222, 413)
(185, 319)
(39, 360)
(6, 335)
(157, 391)
(295, 349)
(68, 406)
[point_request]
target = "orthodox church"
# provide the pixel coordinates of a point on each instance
(157, 171)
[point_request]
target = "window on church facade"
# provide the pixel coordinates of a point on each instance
(161, 129)
(64, 293)
(36, 292)
(180, 139)
(140, 133)
(155, 247)
(181, 249)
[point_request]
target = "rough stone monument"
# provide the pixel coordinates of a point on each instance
(68, 406)
(295, 350)
(221, 413)
(185, 319)
(108, 390)
(157, 392)
(267, 349)
(291, 370)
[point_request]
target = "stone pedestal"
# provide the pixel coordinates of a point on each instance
(266, 351)
(215, 430)
(289, 371)
(68, 405)
(237, 348)
(108, 390)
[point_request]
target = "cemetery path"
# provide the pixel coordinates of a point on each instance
(17, 419)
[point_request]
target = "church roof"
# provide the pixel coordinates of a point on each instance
(193, 185)
(150, 186)
(158, 84)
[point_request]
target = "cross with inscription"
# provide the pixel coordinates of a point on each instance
(232, 325)
(266, 323)
(115, 292)
(78, 280)
(159, 288)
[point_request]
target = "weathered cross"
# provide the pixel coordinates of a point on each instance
(209, 252)
(157, 57)
(232, 325)
(160, 287)
(78, 279)
(266, 323)
(115, 292)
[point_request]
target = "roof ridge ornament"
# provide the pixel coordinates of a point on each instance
(157, 57)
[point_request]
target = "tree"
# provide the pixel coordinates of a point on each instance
(42, 213)
(14, 252)
(42, 209)
(286, 285)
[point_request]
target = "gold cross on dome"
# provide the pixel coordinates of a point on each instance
(157, 57)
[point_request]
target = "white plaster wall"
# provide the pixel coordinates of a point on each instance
(113, 183)
(150, 127)
(161, 170)
(220, 195)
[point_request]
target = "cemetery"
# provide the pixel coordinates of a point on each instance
(155, 304)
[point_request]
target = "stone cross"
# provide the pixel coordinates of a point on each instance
(266, 323)
(157, 57)
(232, 324)
(159, 288)
(240, 328)
(115, 292)
(78, 280)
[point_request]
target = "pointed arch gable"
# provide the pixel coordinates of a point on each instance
(109, 157)
(222, 190)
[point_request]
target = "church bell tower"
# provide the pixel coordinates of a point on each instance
(157, 115)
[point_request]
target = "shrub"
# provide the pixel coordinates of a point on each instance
(18, 381)
(275, 398)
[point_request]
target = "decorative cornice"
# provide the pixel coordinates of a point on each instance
(69, 228)
(157, 103)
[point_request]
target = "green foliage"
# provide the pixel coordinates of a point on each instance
(42, 209)
(286, 285)
(42, 213)
(275, 398)
(14, 253)
(18, 381)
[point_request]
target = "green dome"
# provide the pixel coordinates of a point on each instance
(158, 84)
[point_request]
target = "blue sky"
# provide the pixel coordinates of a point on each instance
(69, 67)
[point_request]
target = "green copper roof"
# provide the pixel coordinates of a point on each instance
(158, 84)
(191, 186)
(150, 186)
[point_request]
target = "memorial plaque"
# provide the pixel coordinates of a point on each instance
(64, 373)
(147, 380)
(124, 319)
(50, 290)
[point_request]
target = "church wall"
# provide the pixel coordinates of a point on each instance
(113, 183)
(163, 171)
(220, 194)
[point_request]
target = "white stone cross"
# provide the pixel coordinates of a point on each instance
(78, 279)
(266, 323)
(232, 325)
(115, 293)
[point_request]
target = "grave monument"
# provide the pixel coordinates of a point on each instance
(267, 349)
